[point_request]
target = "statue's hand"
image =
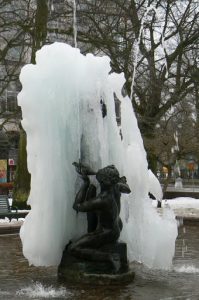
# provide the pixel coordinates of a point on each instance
(76, 207)
(83, 170)
(77, 167)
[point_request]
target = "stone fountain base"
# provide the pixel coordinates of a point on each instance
(76, 270)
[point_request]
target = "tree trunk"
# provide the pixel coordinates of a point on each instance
(40, 30)
(22, 180)
(152, 161)
(22, 176)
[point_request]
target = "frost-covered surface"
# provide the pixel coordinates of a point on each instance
(62, 116)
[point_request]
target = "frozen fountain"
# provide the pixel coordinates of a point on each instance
(61, 101)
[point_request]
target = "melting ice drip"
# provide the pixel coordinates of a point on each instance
(62, 79)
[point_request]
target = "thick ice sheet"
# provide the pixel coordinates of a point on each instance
(62, 116)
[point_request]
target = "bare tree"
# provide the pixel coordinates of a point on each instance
(149, 41)
(176, 138)
(154, 43)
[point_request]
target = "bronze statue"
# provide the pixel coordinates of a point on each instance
(105, 207)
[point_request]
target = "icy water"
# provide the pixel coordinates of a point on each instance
(19, 281)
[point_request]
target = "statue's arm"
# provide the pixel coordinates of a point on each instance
(81, 195)
(91, 205)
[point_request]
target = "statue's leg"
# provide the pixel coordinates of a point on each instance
(92, 221)
(96, 240)
(92, 254)
(86, 248)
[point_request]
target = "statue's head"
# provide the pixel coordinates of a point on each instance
(108, 175)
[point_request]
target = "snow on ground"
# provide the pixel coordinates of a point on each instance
(182, 206)
(13, 221)
(182, 202)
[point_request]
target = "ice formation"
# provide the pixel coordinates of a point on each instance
(154, 186)
(61, 105)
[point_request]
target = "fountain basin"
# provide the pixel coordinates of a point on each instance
(18, 280)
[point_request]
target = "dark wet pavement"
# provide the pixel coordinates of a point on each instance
(18, 280)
